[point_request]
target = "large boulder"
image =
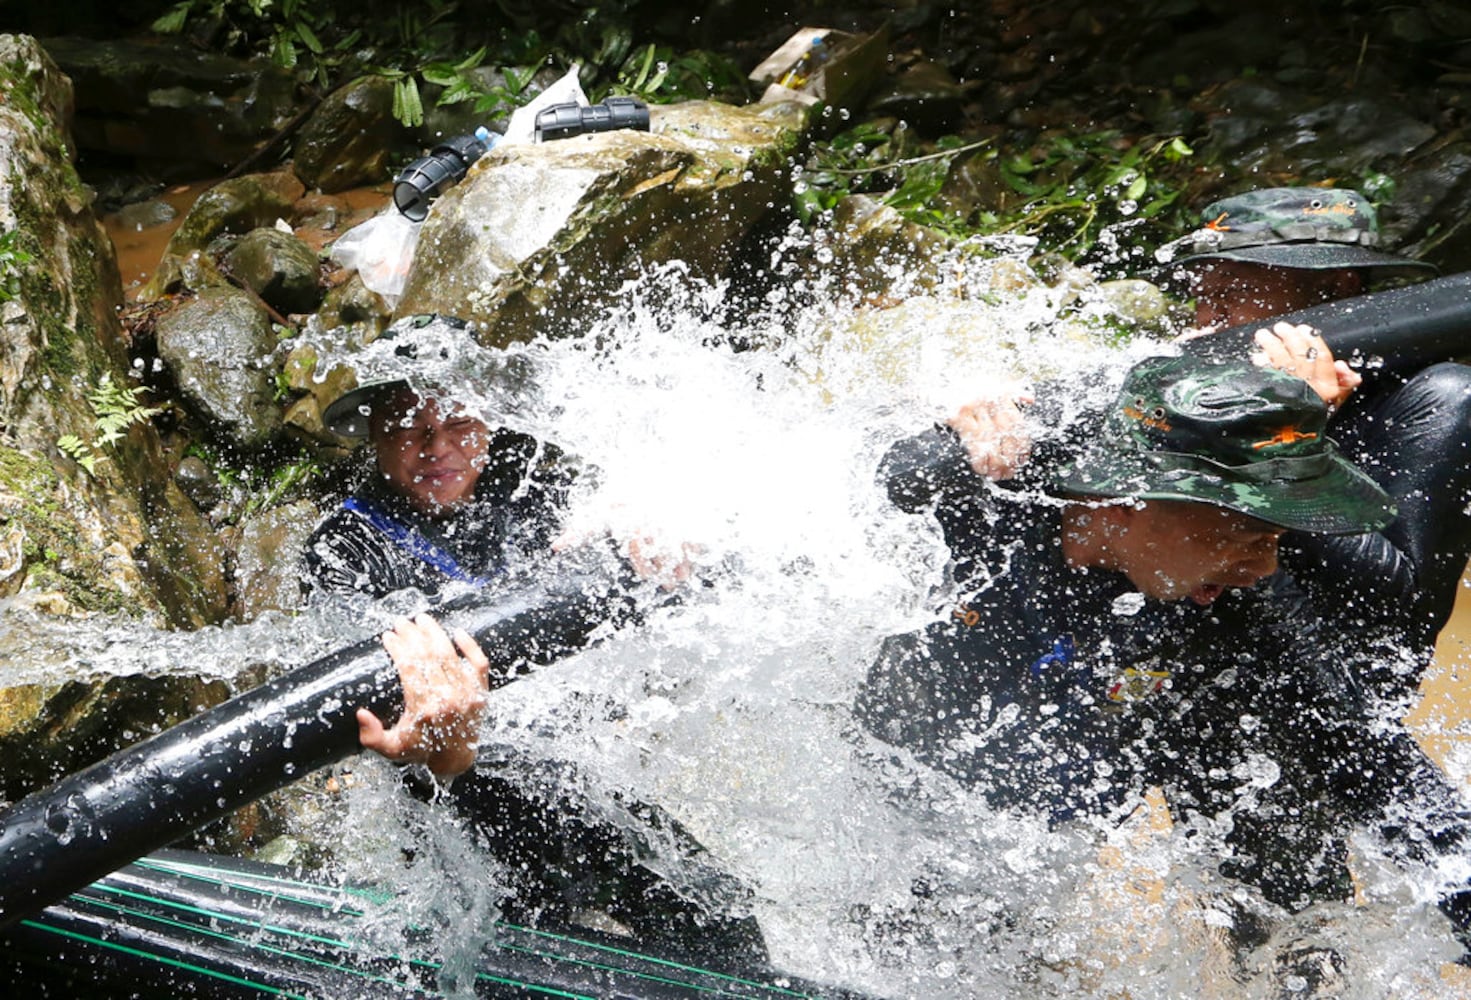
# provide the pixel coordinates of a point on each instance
(220, 347)
(350, 138)
(537, 235)
(185, 112)
(98, 527)
(237, 206)
(102, 522)
(278, 267)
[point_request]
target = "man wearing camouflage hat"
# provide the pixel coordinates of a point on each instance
(1271, 252)
(1103, 585)
(1215, 461)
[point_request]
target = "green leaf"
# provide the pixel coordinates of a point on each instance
(173, 22)
(307, 38)
(456, 92)
(1018, 164)
(472, 61)
(516, 82)
(441, 75)
(407, 106)
(283, 50)
(1136, 189)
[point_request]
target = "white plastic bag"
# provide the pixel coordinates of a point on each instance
(381, 250)
(522, 126)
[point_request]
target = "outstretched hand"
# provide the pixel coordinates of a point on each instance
(445, 688)
(665, 564)
(1299, 350)
(994, 434)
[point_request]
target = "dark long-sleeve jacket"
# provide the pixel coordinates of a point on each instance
(1065, 691)
(375, 543)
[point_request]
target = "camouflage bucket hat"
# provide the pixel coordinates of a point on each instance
(1232, 435)
(422, 348)
(1314, 229)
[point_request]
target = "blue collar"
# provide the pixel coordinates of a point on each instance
(413, 542)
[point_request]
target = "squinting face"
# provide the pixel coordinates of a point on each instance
(430, 458)
(1176, 549)
(1233, 292)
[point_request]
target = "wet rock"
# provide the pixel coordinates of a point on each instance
(353, 302)
(322, 213)
(184, 111)
(146, 214)
(872, 250)
(350, 138)
(1136, 303)
(1262, 127)
(268, 559)
(235, 206)
(1429, 215)
(199, 484)
(1116, 311)
(278, 267)
(536, 235)
(219, 347)
(193, 272)
(114, 534)
(316, 386)
(50, 730)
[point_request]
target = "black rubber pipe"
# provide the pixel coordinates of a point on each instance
(59, 839)
(1398, 331)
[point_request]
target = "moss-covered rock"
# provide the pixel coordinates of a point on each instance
(186, 112)
(278, 267)
(220, 348)
(97, 522)
(237, 205)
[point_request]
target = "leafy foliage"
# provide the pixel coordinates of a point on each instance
(439, 46)
(13, 260)
(256, 488)
(1065, 190)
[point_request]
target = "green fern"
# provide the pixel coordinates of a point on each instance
(79, 451)
(116, 408)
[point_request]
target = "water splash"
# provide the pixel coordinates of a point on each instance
(754, 440)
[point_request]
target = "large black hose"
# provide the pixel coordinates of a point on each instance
(1398, 331)
(61, 838)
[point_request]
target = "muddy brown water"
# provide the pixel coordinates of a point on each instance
(1442, 720)
(140, 246)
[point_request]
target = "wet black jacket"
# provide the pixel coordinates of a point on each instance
(1065, 691)
(1036, 682)
(377, 544)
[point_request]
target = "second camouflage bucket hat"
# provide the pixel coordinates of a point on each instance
(1232, 435)
(1308, 228)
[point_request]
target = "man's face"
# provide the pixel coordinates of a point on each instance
(1174, 549)
(1232, 292)
(430, 458)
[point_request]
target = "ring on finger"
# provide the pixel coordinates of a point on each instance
(1311, 354)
